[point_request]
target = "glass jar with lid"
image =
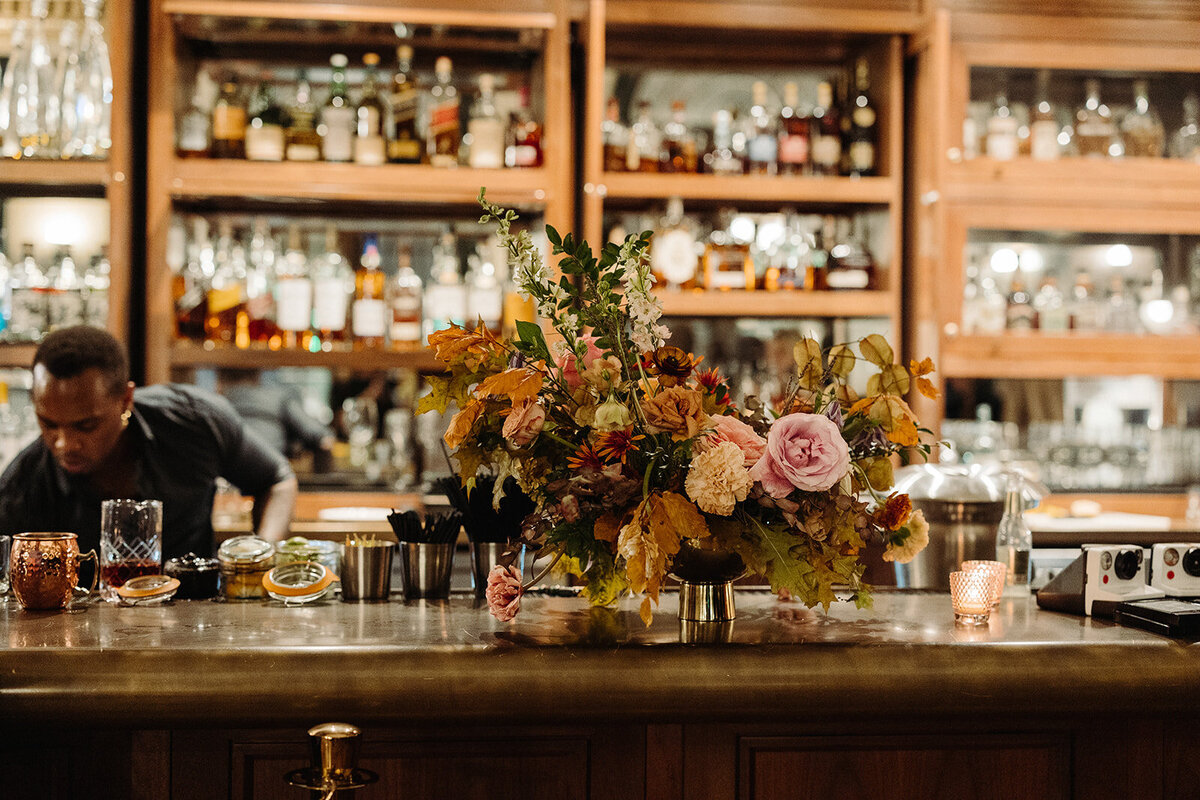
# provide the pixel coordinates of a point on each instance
(298, 582)
(244, 560)
(197, 576)
(147, 590)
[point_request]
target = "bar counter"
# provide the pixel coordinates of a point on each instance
(1063, 691)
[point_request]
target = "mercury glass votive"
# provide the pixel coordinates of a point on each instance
(971, 597)
(996, 570)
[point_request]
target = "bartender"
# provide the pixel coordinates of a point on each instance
(101, 439)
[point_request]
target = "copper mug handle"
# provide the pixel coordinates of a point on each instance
(90, 555)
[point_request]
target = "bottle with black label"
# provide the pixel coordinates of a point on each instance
(861, 140)
(404, 141)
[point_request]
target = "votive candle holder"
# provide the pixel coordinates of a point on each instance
(996, 570)
(970, 596)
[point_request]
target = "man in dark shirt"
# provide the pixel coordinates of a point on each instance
(103, 439)
(275, 413)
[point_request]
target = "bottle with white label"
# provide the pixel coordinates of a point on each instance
(333, 283)
(851, 265)
(264, 136)
(762, 149)
(793, 133)
(369, 145)
(368, 314)
(674, 256)
(445, 296)
(1002, 128)
(338, 121)
(1043, 122)
(486, 128)
(404, 293)
(826, 132)
(485, 295)
(293, 293)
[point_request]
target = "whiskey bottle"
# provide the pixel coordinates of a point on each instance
(444, 136)
(645, 141)
(1185, 143)
(523, 146)
(194, 137)
(445, 296)
(404, 142)
(826, 133)
(333, 283)
(1002, 127)
(615, 136)
(1043, 122)
(404, 293)
(369, 145)
(722, 159)
(264, 137)
(673, 258)
(851, 265)
(338, 120)
(368, 314)
(293, 293)
(824, 234)
(727, 260)
(190, 282)
(227, 292)
(486, 127)
(762, 149)
(1019, 315)
(229, 123)
(1094, 128)
(679, 145)
(863, 132)
(1141, 128)
(261, 274)
(793, 134)
(303, 141)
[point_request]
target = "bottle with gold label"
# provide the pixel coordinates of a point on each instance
(728, 263)
(404, 140)
(861, 140)
(674, 260)
(229, 123)
(404, 292)
(368, 314)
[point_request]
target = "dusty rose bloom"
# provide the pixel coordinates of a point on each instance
(566, 362)
(524, 423)
(677, 411)
(569, 508)
(727, 428)
(804, 451)
(504, 592)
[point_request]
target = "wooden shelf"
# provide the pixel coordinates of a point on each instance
(32, 172)
(17, 355)
(184, 354)
(1058, 356)
(776, 304)
(387, 183)
(746, 188)
(1128, 183)
(498, 14)
(892, 16)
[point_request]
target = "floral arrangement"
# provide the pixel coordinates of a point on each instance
(637, 459)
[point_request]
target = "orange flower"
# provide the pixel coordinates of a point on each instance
(672, 365)
(894, 513)
(616, 445)
(585, 458)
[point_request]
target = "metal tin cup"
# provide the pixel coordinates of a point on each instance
(425, 570)
(367, 570)
(484, 556)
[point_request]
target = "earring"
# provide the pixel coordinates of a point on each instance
(125, 415)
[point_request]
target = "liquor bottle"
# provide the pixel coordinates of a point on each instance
(1014, 540)
(31, 98)
(727, 260)
(1141, 128)
(823, 232)
(826, 133)
(369, 145)
(851, 265)
(190, 282)
(645, 140)
(485, 295)
(261, 274)
(863, 124)
(1050, 307)
(486, 127)
(722, 160)
(229, 123)
(1084, 307)
(1001, 127)
(227, 291)
(194, 137)
(264, 137)
(445, 295)
(1120, 310)
(27, 321)
(333, 283)
(615, 136)
(338, 121)
(444, 137)
(1185, 143)
(993, 308)
(678, 153)
(797, 250)
(1043, 122)
(762, 147)
(524, 137)
(1019, 315)
(1094, 128)
(5, 295)
(794, 140)
(404, 142)
(404, 292)
(64, 298)
(673, 258)
(368, 314)
(97, 279)
(293, 293)
(303, 141)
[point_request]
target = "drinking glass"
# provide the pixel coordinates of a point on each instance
(5, 549)
(86, 86)
(29, 101)
(130, 542)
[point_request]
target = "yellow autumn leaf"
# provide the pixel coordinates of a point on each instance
(896, 418)
(461, 424)
(683, 515)
(861, 405)
(841, 361)
(809, 369)
(876, 349)
(606, 528)
(926, 387)
(919, 371)
(646, 612)
(905, 433)
(893, 379)
(925, 367)
(517, 384)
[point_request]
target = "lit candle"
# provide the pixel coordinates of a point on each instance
(996, 572)
(971, 596)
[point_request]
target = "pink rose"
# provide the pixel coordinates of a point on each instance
(504, 592)
(804, 451)
(569, 508)
(566, 362)
(727, 428)
(524, 423)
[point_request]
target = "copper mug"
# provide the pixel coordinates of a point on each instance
(44, 569)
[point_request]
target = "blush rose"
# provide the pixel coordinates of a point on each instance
(727, 428)
(524, 423)
(570, 370)
(804, 451)
(504, 592)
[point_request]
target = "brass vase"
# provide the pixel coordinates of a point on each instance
(706, 575)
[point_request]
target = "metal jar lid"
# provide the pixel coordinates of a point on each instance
(189, 564)
(245, 550)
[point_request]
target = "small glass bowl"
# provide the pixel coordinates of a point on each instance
(298, 582)
(147, 590)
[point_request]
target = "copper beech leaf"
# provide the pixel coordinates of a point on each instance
(875, 349)
(517, 384)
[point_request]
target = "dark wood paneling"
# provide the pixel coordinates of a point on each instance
(1120, 759)
(1141, 9)
(664, 762)
(1181, 762)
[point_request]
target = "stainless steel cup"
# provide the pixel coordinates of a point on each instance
(367, 570)
(425, 570)
(484, 556)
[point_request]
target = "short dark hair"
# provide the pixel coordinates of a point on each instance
(67, 352)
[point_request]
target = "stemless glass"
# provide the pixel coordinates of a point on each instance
(86, 87)
(130, 542)
(29, 118)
